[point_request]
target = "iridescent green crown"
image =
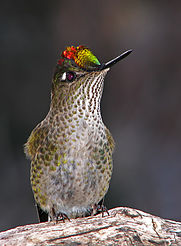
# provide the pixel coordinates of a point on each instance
(81, 55)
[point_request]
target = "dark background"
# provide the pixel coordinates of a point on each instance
(141, 102)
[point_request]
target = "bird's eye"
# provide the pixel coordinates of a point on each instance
(70, 76)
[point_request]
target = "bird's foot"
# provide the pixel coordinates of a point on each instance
(99, 208)
(58, 216)
(62, 216)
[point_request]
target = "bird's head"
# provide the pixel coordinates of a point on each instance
(79, 75)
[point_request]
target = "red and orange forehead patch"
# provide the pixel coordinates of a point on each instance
(82, 56)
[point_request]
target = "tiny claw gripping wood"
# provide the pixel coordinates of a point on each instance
(102, 209)
(99, 209)
(62, 216)
(58, 216)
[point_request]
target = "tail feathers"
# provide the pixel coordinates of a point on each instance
(42, 216)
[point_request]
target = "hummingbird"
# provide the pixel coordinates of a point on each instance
(71, 149)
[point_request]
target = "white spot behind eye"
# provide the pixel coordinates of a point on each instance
(64, 76)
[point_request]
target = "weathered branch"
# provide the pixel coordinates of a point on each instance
(124, 226)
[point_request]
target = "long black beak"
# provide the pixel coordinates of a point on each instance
(115, 60)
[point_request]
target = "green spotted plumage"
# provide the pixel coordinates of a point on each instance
(71, 149)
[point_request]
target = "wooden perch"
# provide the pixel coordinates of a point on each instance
(123, 226)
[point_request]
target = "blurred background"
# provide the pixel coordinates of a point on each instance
(141, 102)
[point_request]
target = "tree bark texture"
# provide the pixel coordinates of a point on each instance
(123, 226)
